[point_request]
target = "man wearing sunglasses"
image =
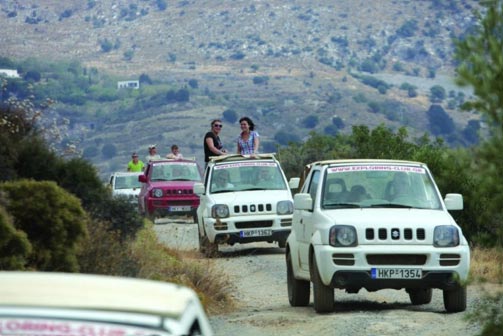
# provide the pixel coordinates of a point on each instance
(212, 144)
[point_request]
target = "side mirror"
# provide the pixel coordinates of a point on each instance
(142, 178)
(302, 202)
(454, 201)
(294, 182)
(198, 188)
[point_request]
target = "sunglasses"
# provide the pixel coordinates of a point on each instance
(218, 125)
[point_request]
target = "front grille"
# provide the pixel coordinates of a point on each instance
(252, 208)
(395, 234)
(449, 259)
(344, 259)
(179, 192)
(255, 224)
(396, 259)
(286, 222)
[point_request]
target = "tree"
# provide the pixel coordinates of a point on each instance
(481, 66)
(230, 115)
(53, 220)
(440, 122)
(14, 244)
(109, 151)
(311, 121)
(437, 93)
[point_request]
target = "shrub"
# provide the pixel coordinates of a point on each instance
(14, 244)
(109, 151)
(230, 115)
(310, 121)
(440, 121)
(437, 93)
(53, 220)
(193, 83)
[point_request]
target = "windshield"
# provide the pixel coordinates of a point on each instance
(247, 175)
(379, 186)
(127, 182)
(175, 171)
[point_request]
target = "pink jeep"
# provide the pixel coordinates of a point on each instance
(168, 188)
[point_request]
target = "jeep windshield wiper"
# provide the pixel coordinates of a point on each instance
(222, 191)
(341, 205)
(159, 179)
(391, 205)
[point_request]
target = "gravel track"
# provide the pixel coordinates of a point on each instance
(258, 276)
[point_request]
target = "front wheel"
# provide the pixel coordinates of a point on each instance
(298, 290)
(455, 300)
(207, 248)
(419, 296)
(323, 295)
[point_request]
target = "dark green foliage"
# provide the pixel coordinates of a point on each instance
(179, 96)
(310, 121)
(161, 4)
(331, 130)
(35, 160)
(109, 151)
(260, 80)
(193, 83)
(471, 132)
(145, 79)
(440, 122)
(284, 138)
(437, 93)
(53, 220)
(90, 152)
(80, 177)
(230, 116)
(408, 29)
(106, 45)
(374, 82)
(121, 215)
(32, 75)
(338, 122)
(14, 245)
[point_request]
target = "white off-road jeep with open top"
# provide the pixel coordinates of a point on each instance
(375, 224)
(243, 199)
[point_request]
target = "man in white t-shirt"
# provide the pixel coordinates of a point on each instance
(152, 154)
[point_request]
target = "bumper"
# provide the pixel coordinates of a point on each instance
(352, 281)
(350, 268)
(237, 229)
(163, 207)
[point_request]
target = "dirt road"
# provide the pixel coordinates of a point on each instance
(258, 273)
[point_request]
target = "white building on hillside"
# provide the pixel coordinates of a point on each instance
(9, 73)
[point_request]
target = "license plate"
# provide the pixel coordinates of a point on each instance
(179, 208)
(255, 233)
(396, 273)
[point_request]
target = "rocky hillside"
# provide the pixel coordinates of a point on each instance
(276, 61)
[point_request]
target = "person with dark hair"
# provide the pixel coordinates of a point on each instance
(175, 153)
(135, 165)
(213, 146)
(248, 140)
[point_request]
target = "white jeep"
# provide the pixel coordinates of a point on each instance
(243, 199)
(375, 224)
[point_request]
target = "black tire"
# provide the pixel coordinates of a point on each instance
(209, 250)
(298, 290)
(419, 296)
(323, 296)
(282, 243)
(194, 217)
(455, 300)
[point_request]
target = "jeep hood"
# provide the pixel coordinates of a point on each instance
(390, 217)
(251, 197)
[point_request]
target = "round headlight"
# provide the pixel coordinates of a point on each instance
(343, 236)
(220, 211)
(284, 208)
(157, 192)
(445, 236)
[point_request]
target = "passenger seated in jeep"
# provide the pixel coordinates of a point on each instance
(399, 187)
(221, 181)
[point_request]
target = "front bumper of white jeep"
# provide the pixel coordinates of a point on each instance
(358, 267)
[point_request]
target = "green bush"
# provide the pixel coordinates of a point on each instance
(14, 245)
(53, 220)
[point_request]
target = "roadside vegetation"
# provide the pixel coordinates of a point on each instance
(56, 215)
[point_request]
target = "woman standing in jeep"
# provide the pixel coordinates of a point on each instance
(212, 143)
(248, 140)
